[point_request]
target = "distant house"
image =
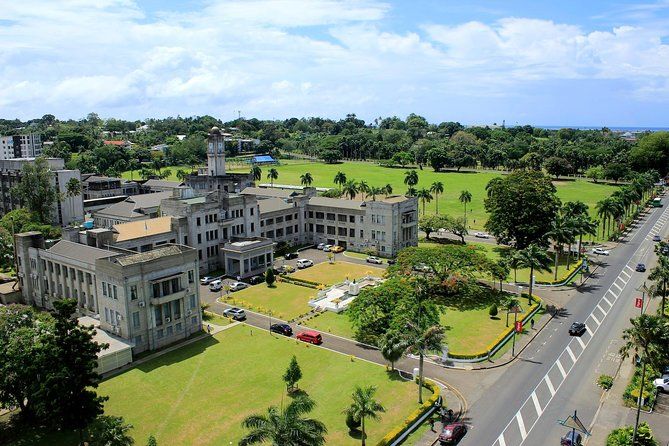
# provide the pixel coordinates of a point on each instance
(263, 160)
(112, 142)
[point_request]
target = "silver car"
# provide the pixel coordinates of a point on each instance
(236, 286)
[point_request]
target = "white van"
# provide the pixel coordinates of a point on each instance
(304, 263)
(216, 285)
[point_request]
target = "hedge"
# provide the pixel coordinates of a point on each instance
(566, 276)
(500, 338)
(300, 282)
(399, 430)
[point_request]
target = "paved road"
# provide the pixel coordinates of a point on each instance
(557, 373)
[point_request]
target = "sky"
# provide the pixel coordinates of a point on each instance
(567, 63)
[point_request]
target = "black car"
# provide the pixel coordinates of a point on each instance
(577, 329)
(291, 255)
(391, 261)
(640, 268)
(283, 329)
(255, 280)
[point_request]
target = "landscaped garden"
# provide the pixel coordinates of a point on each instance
(332, 273)
(285, 300)
(331, 322)
(200, 393)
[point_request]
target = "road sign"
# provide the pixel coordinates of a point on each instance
(519, 326)
(638, 302)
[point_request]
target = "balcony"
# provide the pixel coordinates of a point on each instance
(181, 294)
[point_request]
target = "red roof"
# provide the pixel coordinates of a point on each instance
(115, 143)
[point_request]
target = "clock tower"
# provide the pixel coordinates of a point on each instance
(215, 153)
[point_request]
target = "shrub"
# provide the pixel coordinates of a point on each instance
(269, 277)
(352, 423)
(605, 382)
(493, 310)
(623, 436)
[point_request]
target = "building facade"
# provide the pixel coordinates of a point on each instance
(28, 145)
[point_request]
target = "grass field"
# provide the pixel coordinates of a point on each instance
(200, 393)
(285, 300)
(331, 322)
(332, 273)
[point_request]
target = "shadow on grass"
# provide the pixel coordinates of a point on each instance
(394, 375)
(178, 355)
(295, 393)
(357, 434)
(16, 432)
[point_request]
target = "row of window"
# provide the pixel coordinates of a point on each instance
(333, 230)
(167, 312)
(166, 287)
(342, 218)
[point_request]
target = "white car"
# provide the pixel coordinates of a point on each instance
(372, 259)
(326, 248)
(216, 285)
(481, 235)
(320, 246)
(236, 286)
(600, 252)
(304, 263)
(662, 384)
(206, 280)
(235, 313)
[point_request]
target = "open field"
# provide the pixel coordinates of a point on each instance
(200, 393)
(331, 322)
(332, 273)
(285, 300)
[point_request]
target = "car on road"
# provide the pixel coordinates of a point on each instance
(640, 268)
(255, 280)
(327, 248)
(284, 269)
(481, 235)
(571, 438)
(600, 252)
(206, 280)
(310, 336)
(238, 286)
(373, 259)
(657, 238)
(320, 246)
(216, 285)
(291, 255)
(452, 433)
(337, 248)
(304, 263)
(282, 329)
(577, 329)
(235, 313)
(662, 384)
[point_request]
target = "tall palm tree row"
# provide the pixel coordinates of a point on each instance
(425, 196)
(272, 175)
(350, 189)
(561, 233)
(363, 188)
(660, 274)
(465, 198)
(387, 189)
(536, 259)
(437, 188)
(364, 407)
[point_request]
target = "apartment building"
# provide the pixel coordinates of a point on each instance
(66, 210)
(149, 298)
(96, 186)
(28, 145)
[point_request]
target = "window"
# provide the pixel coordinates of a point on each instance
(170, 330)
(57, 269)
(65, 272)
(311, 227)
(104, 289)
(341, 232)
(135, 319)
(176, 309)
(253, 227)
(115, 290)
(106, 314)
(362, 234)
(191, 304)
(320, 215)
(199, 238)
(178, 326)
(311, 214)
(351, 232)
(289, 230)
(191, 276)
(158, 313)
(133, 292)
(320, 229)
(166, 288)
(160, 334)
(279, 219)
(252, 211)
(331, 216)
(331, 230)
(156, 290)
(289, 217)
(198, 221)
(341, 218)
(351, 218)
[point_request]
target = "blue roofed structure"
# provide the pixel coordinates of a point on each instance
(263, 159)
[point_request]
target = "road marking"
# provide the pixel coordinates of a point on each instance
(571, 354)
(629, 268)
(595, 319)
(607, 301)
(601, 309)
(615, 296)
(562, 372)
(625, 273)
(501, 440)
(521, 425)
(616, 285)
(580, 341)
(537, 407)
(589, 331)
(551, 389)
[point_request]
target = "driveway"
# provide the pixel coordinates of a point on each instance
(318, 256)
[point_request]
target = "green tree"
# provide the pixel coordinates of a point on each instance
(272, 175)
(437, 188)
(364, 189)
(109, 430)
(364, 406)
(623, 436)
(422, 341)
(285, 427)
(181, 175)
(424, 195)
(35, 189)
(660, 274)
(595, 173)
(557, 166)
(651, 152)
(493, 311)
(292, 375)
(522, 208)
(561, 233)
(340, 179)
(374, 191)
(536, 259)
(151, 441)
(393, 347)
(410, 179)
(306, 179)
(388, 189)
(430, 223)
(465, 198)
(269, 277)
(72, 189)
(350, 189)
(256, 171)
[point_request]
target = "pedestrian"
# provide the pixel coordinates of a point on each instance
(532, 324)
(432, 424)
(442, 414)
(450, 415)
(208, 328)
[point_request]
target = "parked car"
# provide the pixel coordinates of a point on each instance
(337, 248)
(284, 269)
(452, 433)
(327, 248)
(291, 255)
(571, 438)
(282, 329)
(235, 313)
(238, 286)
(481, 235)
(662, 384)
(665, 250)
(657, 238)
(421, 268)
(255, 280)
(391, 261)
(320, 246)
(577, 329)
(216, 285)
(640, 268)
(600, 252)
(310, 336)
(206, 280)
(304, 263)
(372, 259)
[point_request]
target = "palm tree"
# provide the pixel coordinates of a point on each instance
(575, 208)
(364, 406)
(363, 188)
(424, 341)
(606, 209)
(424, 195)
(306, 179)
(340, 179)
(350, 189)
(388, 189)
(256, 171)
(437, 188)
(410, 179)
(560, 233)
(285, 427)
(393, 347)
(181, 174)
(645, 338)
(72, 189)
(534, 258)
(374, 191)
(465, 197)
(660, 274)
(272, 175)
(584, 226)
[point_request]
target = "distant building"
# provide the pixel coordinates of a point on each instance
(133, 208)
(154, 185)
(96, 186)
(28, 145)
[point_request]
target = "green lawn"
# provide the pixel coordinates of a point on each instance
(332, 273)
(285, 300)
(331, 322)
(454, 182)
(213, 318)
(199, 394)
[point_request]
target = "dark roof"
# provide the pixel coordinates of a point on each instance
(270, 192)
(268, 205)
(132, 259)
(77, 251)
(161, 183)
